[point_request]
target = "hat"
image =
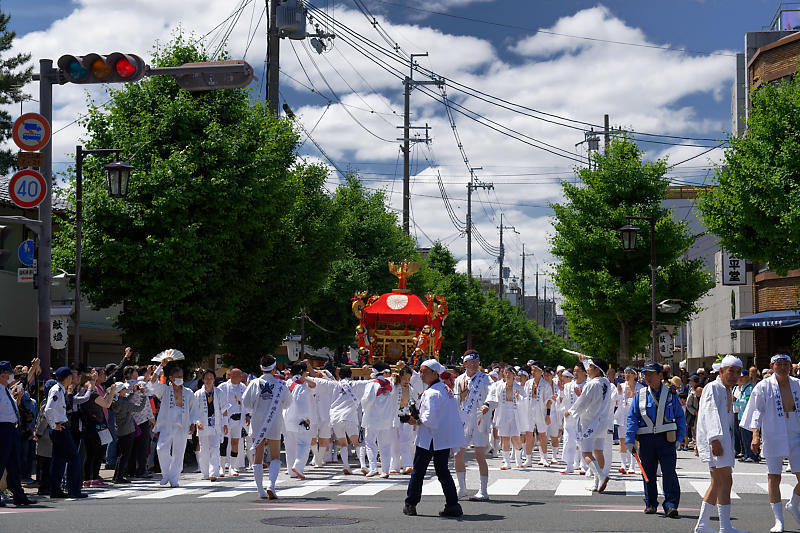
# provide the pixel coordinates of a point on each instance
(434, 365)
(524, 373)
(568, 374)
(494, 374)
(5, 367)
(775, 358)
(63, 373)
(693, 377)
(121, 385)
(49, 384)
(599, 364)
(652, 366)
(630, 369)
(715, 367)
(730, 360)
(530, 362)
(471, 357)
(559, 368)
(745, 373)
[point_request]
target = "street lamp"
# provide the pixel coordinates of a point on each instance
(628, 234)
(117, 176)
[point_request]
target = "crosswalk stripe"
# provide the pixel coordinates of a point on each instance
(169, 493)
(636, 488)
(231, 492)
(369, 489)
(307, 487)
(507, 487)
(786, 490)
(573, 487)
(106, 494)
(432, 488)
(702, 486)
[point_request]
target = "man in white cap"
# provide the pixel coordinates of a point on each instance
(265, 398)
(439, 430)
(471, 390)
(715, 444)
(379, 409)
(593, 414)
(773, 414)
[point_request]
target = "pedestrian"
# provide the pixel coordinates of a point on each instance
(237, 420)
(10, 460)
(94, 423)
(65, 452)
(265, 398)
(471, 391)
(572, 392)
(542, 409)
(44, 446)
(438, 429)
(119, 400)
(715, 426)
(297, 418)
(174, 423)
(744, 397)
(405, 394)
(773, 415)
(626, 397)
(504, 399)
(655, 426)
(379, 410)
(211, 424)
(594, 416)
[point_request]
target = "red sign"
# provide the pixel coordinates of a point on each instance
(31, 132)
(27, 188)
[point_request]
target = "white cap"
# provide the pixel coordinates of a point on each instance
(715, 367)
(701, 369)
(121, 385)
(730, 360)
(559, 368)
(434, 365)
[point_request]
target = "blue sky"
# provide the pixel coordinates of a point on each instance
(651, 90)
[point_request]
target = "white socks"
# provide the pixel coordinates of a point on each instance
(794, 506)
(777, 510)
(274, 469)
(506, 458)
(702, 520)
(258, 473)
(461, 479)
(484, 485)
(344, 453)
(725, 526)
(595, 468)
(518, 457)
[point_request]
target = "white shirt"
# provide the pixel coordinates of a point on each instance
(440, 424)
(378, 410)
(301, 408)
(8, 407)
(714, 421)
(171, 416)
(345, 397)
(464, 384)
(56, 409)
(765, 412)
(220, 406)
(234, 394)
(592, 408)
(257, 400)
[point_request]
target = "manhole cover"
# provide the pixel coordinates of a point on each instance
(308, 521)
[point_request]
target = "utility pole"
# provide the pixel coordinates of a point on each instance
(537, 294)
(471, 186)
(273, 58)
(524, 255)
(502, 250)
(408, 84)
(544, 315)
(607, 134)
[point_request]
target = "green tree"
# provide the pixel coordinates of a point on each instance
(224, 230)
(754, 207)
(607, 290)
(11, 83)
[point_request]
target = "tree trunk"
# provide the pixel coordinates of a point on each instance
(624, 344)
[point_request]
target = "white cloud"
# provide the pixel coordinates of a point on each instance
(646, 89)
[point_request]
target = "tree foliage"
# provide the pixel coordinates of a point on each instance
(754, 207)
(11, 83)
(224, 230)
(607, 290)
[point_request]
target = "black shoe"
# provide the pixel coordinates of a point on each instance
(409, 510)
(23, 500)
(671, 512)
(650, 509)
(452, 511)
(78, 495)
(58, 495)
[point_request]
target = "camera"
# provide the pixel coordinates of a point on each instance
(305, 424)
(413, 412)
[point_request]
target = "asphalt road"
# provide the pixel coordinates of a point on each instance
(537, 499)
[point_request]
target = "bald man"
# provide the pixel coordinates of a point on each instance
(237, 415)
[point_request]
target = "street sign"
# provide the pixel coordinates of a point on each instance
(27, 188)
(30, 159)
(31, 132)
(25, 252)
(25, 275)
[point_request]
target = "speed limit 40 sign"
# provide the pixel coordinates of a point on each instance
(27, 188)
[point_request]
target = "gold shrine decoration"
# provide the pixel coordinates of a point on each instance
(403, 271)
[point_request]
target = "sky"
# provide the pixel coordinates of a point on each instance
(668, 71)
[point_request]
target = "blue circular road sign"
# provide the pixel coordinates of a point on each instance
(25, 252)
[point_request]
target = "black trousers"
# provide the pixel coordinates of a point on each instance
(422, 458)
(95, 453)
(10, 459)
(43, 474)
(65, 456)
(141, 449)
(124, 448)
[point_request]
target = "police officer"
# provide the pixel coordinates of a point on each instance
(657, 422)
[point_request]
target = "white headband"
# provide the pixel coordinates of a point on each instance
(434, 365)
(567, 373)
(522, 372)
(730, 360)
(269, 368)
(780, 357)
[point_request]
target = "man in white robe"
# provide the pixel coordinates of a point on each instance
(265, 399)
(471, 390)
(298, 419)
(237, 419)
(379, 410)
(592, 411)
(212, 425)
(542, 409)
(715, 443)
(773, 414)
(175, 422)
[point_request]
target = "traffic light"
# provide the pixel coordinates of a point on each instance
(94, 68)
(4, 254)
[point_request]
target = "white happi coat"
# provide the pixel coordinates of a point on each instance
(233, 397)
(440, 425)
(624, 405)
(378, 410)
(301, 407)
(173, 419)
(714, 422)
(568, 398)
(505, 414)
(258, 399)
(544, 394)
(765, 412)
(220, 420)
(345, 399)
(470, 409)
(592, 408)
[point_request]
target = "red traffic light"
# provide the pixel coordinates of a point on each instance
(95, 68)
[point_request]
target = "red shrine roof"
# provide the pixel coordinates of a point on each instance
(396, 307)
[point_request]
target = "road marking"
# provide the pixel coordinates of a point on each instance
(507, 487)
(786, 490)
(105, 494)
(636, 488)
(432, 488)
(231, 492)
(190, 488)
(702, 486)
(573, 487)
(307, 487)
(369, 489)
